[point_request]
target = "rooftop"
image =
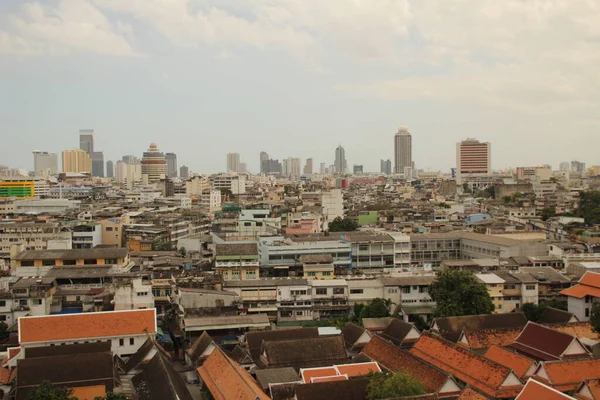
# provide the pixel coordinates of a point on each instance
(73, 254)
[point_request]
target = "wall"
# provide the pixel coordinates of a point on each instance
(501, 191)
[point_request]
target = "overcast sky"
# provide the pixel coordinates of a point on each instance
(298, 77)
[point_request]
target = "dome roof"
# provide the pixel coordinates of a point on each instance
(402, 129)
(153, 146)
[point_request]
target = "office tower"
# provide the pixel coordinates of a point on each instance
(171, 164)
(44, 163)
(322, 168)
(86, 140)
(131, 160)
(243, 167)
(308, 167)
(233, 162)
(154, 165)
(564, 166)
(263, 157)
(271, 167)
(402, 150)
(290, 167)
(340, 160)
(357, 169)
(577, 166)
(121, 171)
(110, 169)
(473, 158)
(98, 164)
(184, 172)
(386, 166)
(76, 160)
(296, 167)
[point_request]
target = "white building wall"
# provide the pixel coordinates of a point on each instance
(333, 205)
(578, 307)
(133, 296)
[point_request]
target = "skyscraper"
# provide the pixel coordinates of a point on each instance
(171, 164)
(577, 166)
(184, 172)
(386, 166)
(44, 163)
(121, 171)
(402, 150)
(233, 162)
(76, 160)
(308, 167)
(131, 160)
(110, 169)
(357, 169)
(86, 140)
(340, 160)
(263, 157)
(154, 165)
(98, 164)
(473, 158)
(271, 166)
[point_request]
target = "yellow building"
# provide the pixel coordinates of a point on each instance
(76, 160)
(21, 189)
(495, 287)
(317, 266)
(112, 230)
(75, 257)
(237, 261)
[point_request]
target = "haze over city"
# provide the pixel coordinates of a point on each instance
(298, 78)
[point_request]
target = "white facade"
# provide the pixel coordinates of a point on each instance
(87, 236)
(402, 150)
(31, 236)
(121, 171)
(135, 296)
(233, 162)
(333, 205)
(40, 206)
(148, 196)
(210, 201)
(196, 185)
(235, 183)
(363, 291)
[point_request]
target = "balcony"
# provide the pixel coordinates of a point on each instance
(17, 307)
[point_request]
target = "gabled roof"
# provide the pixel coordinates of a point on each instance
(351, 334)
(354, 389)
(451, 327)
(545, 344)
(376, 324)
(471, 394)
(488, 337)
(199, 346)
(144, 354)
(395, 359)
(588, 285)
(228, 381)
(567, 375)
(255, 339)
(589, 390)
(535, 390)
(49, 328)
(483, 374)
(80, 348)
(159, 381)
(240, 355)
(264, 377)
(398, 330)
(517, 362)
(240, 249)
(304, 353)
(552, 315)
(579, 329)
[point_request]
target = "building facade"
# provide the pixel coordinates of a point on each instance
(473, 159)
(76, 160)
(171, 164)
(44, 163)
(154, 165)
(402, 150)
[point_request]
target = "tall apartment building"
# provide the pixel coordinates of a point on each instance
(308, 167)
(184, 172)
(340, 160)
(577, 166)
(130, 159)
(402, 150)
(110, 169)
(473, 159)
(291, 167)
(271, 166)
(86, 140)
(264, 156)
(171, 164)
(76, 160)
(44, 163)
(357, 169)
(233, 162)
(385, 166)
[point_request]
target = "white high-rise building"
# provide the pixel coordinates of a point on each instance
(402, 150)
(340, 160)
(44, 163)
(473, 159)
(121, 171)
(233, 162)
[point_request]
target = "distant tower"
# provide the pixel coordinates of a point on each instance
(171, 164)
(385, 166)
(44, 163)
(340, 160)
(86, 140)
(154, 165)
(184, 172)
(473, 158)
(308, 167)
(110, 169)
(233, 162)
(402, 150)
(264, 158)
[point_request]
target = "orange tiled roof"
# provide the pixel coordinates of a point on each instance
(483, 374)
(534, 390)
(517, 362)
(593, 386)
(334, 378)
(87, 325)
(580, 291)
(309, 373)
(7, 376)
(360, 369)
(567, 375)
(579, 329)
(590, 279)
(228, 381)
(490, 337)
(89, 392)
(471, 394)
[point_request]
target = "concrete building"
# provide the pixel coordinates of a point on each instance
(581, 297)
(237, 261)
(23, 189)
(110, 169)
(86, 140)
(264, 156)
(340, 163)
(196, 185)
(308, 167)
(44, 206)
(357, 169)
(112, 230)
(234, 182)
(154, 165)
(386, 166)
(184, 172)
(133, 294)
(210, 201)
(33, 236)
(76, 160)
(87, 235)
(171, 164)
(131, 159)
(564, 166)
(44, 163)
(402, 150)
(98, 164)
(473, 159)
(290, 167)
(410, 294)
(271, 167)
(233, 162)
(121, 171)
(79, 257)
(495, 287)
(535, 174)
(333, 205)
(578, 167)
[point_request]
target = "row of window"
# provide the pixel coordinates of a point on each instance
(323, 291)
(51, 263)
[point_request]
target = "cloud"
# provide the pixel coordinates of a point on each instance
(73, 25)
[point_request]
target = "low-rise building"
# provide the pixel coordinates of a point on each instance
(33, 236)
(330, 298)
(78, 257)
(237, 261)
(581, 297)
(317, 266)
(495, 287)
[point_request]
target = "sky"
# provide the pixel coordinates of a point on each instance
(296, 78)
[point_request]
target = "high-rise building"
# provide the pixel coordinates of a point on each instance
(131, 160)
(340, 160)
(76, 160)
(577, 166)
(86, 140)
(171, 164)
(44, 163)
(402, 150)
(357, 169)
(473, 158)
(98, 164)
(121, 171)
(154, 165)
(233, 162)
(271, 167)
(184, 172)
(564, 166)
(322, 168)
(243, 167)
(110, 169)
(308, 167)
(385, 166)
(290, 167)
(263, 157)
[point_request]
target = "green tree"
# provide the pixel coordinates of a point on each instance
(595, 317)
(547, 213)
(160, 244)
(343, 225)
(589, 206)
(420, 323)
(112, 396)
(47, 391)
(377, 308)
(532, 311)
(459, 293)
(395, 385)
(182, 251)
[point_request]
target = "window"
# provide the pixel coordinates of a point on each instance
(235, 275)
(23, 302)
(393, 290)
(423, 289)
(406, 289)
(2, 303)
(48, 263)
(2, 317)
(131, 341)
(110, 261)
(299, 313)
(338, 290)
(121, 342)
(259, 224)
(587, 299)
(247, 223)
(69, 262)
(90, 261)
(363, 247)
(77, 298)
(529, 287)
(321, 291)
(109, 229)
(356, 291)
(26, 263)
(140, 294)
(37, 302)
(326, 273)
(312, 274)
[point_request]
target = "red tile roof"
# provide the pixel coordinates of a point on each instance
(228, 381)
(534, 390)
(360, 369)
(7, 376)
(488, 337)
(320, 379)
(471, 394)
(588, 285)
(87, 325)
(591, 386)
(590, 279)
(395, 359)
(544, 343)
(567, 375)
(517, 362)
(579, 329)
(485, 375)
(308, 373)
